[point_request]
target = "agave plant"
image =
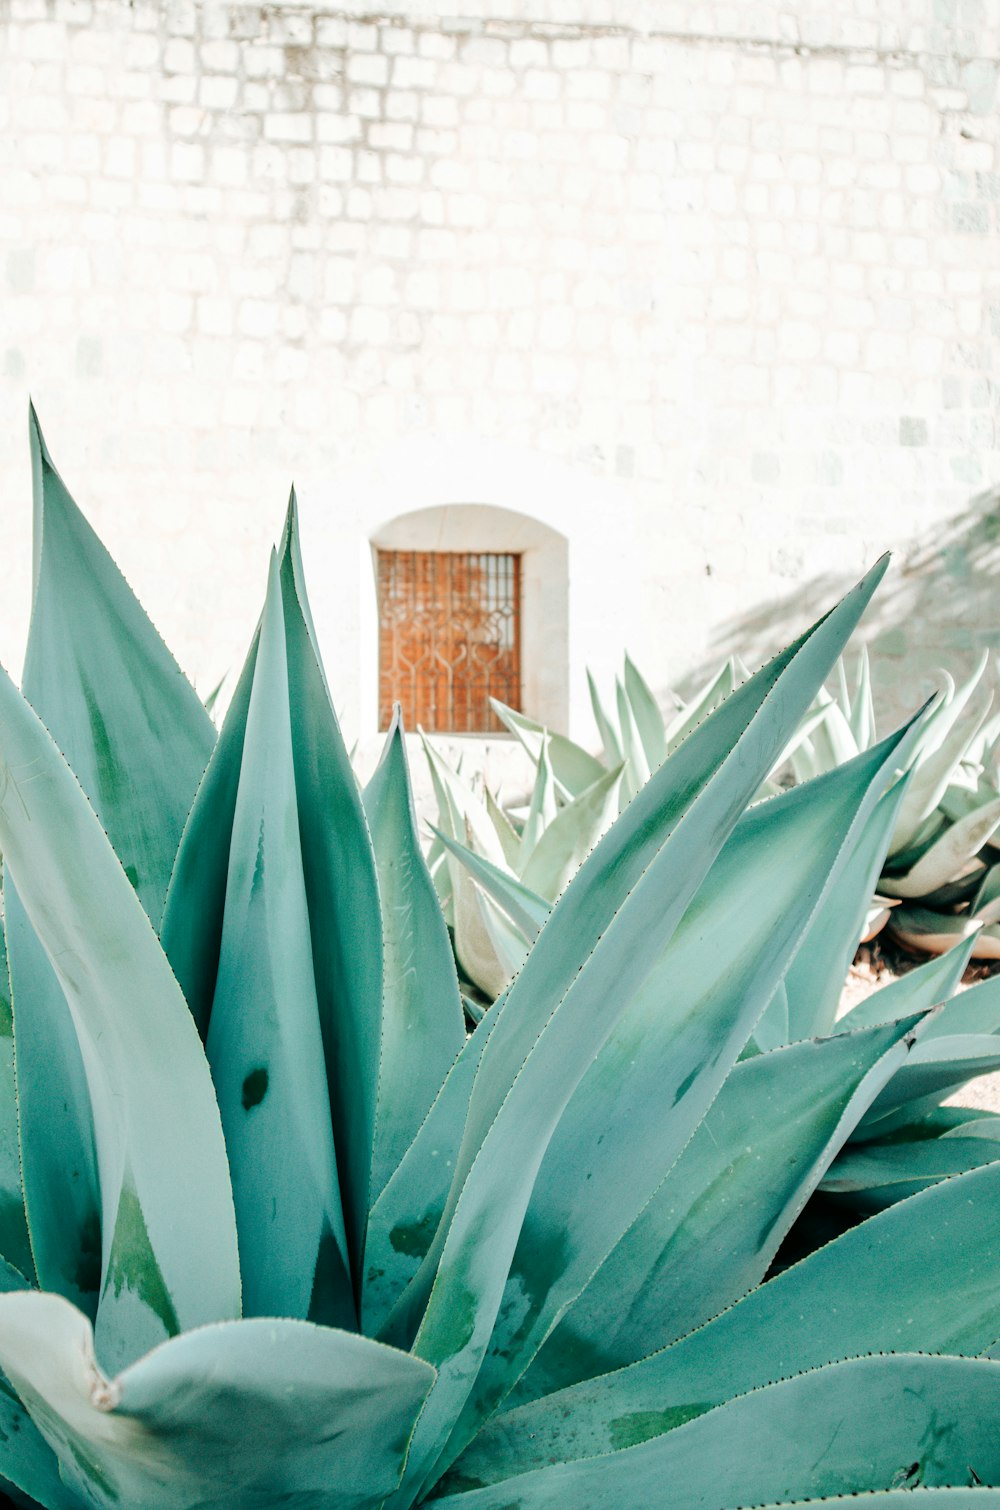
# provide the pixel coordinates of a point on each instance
(277, 1232)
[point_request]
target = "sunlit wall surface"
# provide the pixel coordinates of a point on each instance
(711, 290)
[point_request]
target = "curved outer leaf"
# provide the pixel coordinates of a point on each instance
(423, 1023)
(137, 738)
(249, 1414)
(622, 906)
(868, 1423)
(815, 979)
(406, 1215)
(713, 1227)
(568, 839)
(14, 1245)
(666, 1061)
(264, 1041)
(919, 1276)
(27, 1462)
(926, 986)
(167, 1263)
(872, 1176)
(647, 715)
(573, 767)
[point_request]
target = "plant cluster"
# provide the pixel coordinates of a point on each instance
(276, 1230)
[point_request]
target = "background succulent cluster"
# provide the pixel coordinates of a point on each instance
(278, 1230)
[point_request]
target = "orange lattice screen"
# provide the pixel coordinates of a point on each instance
(449, 638)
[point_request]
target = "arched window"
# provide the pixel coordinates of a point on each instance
(472, 604)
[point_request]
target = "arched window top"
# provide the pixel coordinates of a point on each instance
(465, 527)
(472, 604)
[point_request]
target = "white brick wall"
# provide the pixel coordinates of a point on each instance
(740, 265)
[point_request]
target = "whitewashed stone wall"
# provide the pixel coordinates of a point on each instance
(713, 289)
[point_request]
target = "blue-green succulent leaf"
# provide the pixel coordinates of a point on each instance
(264, 1044)
(423, 1027)
(15, 1247)
(252, 1414)
(867, 1423)
(168, 1240)
(712, 1229)
(666, 1060)
(941, 1249)
(618, 915)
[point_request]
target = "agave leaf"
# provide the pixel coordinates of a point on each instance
(832, 739)
(700, 706)
(264, 1043)
(926, 986)
(406, 1215)
(861, 1424)
(935, 768)
(510, 839)
(935, 1070)
(14, 1245)
(192, 916)
(256, 1413)
(772, 1030)
(27, 1462)
(979, 1498)
(805, 763)
(873, 1176)
(636, 772)
(108, 690)
(843, 693)
(618, 915)
(815, 978)
(567, 840)
(459, 809)
(800, 736)
(941, 1249)
(573, 767)
(210, 701)
(341, 889)
(647, 716)
(948, 856)
(137, 738)
(166, 1263)
(862, 708)
(778, 1122)
(423, 1023)
(344, 912)
(601, 1170)
(542, 809)
(934, 932)
(524, 907)
(985, 905)
(489, 950)
(609, 737)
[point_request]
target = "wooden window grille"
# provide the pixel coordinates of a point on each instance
(449, 638)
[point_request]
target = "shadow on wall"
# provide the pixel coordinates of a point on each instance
(938, 606)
